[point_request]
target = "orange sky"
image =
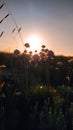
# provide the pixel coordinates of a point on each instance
(52, 21)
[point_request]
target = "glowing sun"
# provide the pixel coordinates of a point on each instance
(35, 42)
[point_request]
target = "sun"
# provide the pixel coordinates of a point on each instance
(35, 42)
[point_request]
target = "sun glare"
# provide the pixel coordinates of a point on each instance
(35, 43)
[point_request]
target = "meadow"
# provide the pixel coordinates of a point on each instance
(36, 91)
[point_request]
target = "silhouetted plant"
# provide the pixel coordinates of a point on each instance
(16, 52)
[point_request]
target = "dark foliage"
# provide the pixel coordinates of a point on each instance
(36, 92)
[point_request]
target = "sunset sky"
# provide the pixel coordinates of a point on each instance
(50, 20)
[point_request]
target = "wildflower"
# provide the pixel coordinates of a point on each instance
(27, 45)
(43, 46)
(68, 77)
(59, 63)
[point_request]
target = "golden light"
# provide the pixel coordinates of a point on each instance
(35, 42)
(41, 87)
